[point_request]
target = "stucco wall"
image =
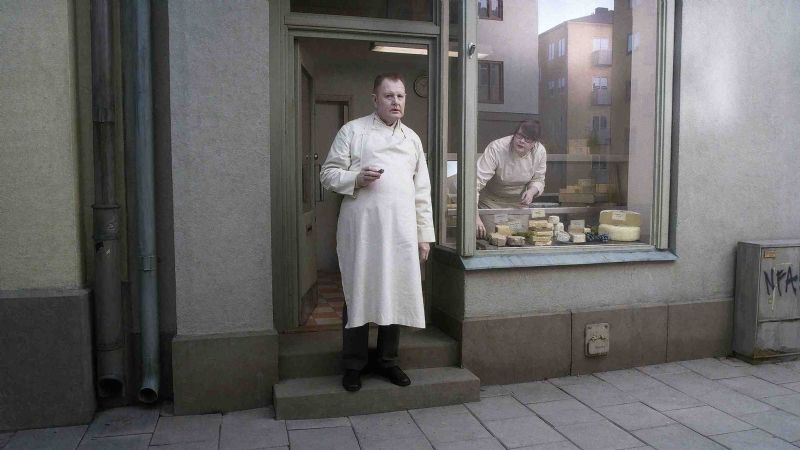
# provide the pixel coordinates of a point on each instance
(39, 192)
(219, 104)
(737, 170)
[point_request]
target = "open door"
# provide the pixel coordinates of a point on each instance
(309, 159)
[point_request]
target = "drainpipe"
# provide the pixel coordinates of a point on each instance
(107, 289)
(139, 132)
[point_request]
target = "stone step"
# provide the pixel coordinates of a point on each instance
(316, 354)
(321, 397)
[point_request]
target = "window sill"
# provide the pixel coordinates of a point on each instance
(521, 259)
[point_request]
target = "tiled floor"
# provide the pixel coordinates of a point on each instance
(328, 313)
(703, 404)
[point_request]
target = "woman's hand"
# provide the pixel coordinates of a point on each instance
(367, 176)
(480, 230)
(424, 251)
(528, 195)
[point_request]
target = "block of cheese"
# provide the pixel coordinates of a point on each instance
(562, 236)
(620, 232)
(553, 219)
(535, 238)
(537, 213)
(585, 182)
(587, 230)
(577, 223)
(505, 230)
(543, 233)
(539, 244)
(620, 217)
(515, 241)
(559, 226)
(497, 239)
(578, 238)
(537, 223)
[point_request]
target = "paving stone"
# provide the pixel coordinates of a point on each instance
(575, 379)
(634, 416)
(128, 442)
(521, 431)
(793, 365)
(494, 390)
(793, 386)
(708, 421)
(561, 445)
(340, 438)
(186, 429)
(780, 423)
(537, 392)
(665, 398)
(479, 444)
(565, 412)
(788, 403)
(317, 423)
(244, 430)
(598, 394)
(385, 426)
(411, 443)
(599, 435)
(676, 437)
(629, 380)
(47, 438)
(660, 369)
(449, 424)
(755, 387)
(775, 373)
(752, 440)
(496, 408)
(691, 383)
(122, 421)
(204, 445)
(734, 403)
(713, 369)
(733, 361)
(5, 437)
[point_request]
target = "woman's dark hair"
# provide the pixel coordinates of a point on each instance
(531, 129)
(394, 76)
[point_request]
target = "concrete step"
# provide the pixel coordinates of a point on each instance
(320, 397)
(317, 354)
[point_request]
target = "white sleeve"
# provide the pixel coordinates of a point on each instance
(422, 199)
(335, 174)
(539, 169)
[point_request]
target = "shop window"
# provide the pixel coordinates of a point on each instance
(490, 9)
(418, 10)
(490, 82)
(575, 162)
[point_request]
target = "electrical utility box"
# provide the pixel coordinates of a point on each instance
(767, 303)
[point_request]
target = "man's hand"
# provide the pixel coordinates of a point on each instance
(480, 230)
(424, 250)
(528, 195)
(367, 176)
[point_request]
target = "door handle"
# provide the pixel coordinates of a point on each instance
(309, 227)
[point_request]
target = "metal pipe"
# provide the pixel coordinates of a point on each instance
(139, 127)
(109, 343)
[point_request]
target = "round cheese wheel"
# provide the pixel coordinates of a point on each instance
(620, 232)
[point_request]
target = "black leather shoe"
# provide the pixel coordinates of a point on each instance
(351, 380)
(395, 375)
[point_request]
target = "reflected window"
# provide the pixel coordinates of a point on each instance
(419, 10)
(490, 9)
(490, 82)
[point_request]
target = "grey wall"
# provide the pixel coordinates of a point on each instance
(219, 105)
(40, 242)
(737, 169)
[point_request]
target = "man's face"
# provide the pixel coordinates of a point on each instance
(390, 101)
(521, 145)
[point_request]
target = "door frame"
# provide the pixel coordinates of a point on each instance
(286, 209)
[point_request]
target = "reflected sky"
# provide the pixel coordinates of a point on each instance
(553, 12)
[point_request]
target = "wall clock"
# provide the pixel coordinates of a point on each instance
(421, 86)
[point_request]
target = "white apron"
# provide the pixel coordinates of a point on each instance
(377, 236)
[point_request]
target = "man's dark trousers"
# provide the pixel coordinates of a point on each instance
(355, 345)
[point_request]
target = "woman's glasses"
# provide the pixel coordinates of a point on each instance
(524, 139)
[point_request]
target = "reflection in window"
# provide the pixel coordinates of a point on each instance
(490, 82)
(421, 10)
(490, 9)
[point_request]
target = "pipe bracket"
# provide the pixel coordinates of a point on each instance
(147, 263)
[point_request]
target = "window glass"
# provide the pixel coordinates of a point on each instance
(571, 136)
(421, 10)
(449, 191)
(490, 9)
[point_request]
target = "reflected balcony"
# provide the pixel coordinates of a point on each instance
(601, 57)
(601, 97)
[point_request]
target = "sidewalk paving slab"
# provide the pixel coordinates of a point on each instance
(305, 424)
(494, 390)
(537, 392)
(5, 437)
(734, 403)
(385, 426)
(793, 386)
(497, 408)
(565, 412)
(708, 421)
(676, 437)
(203, 445)
(629, 380)
(634, 416)
(411, 443)
(254, 428)
(523, 431)
(756, 387)
(187, 429)
(661, 369)
(574, 379)
(561, 445)
(775, 373)
(124, 421)
(788, 403)
(714, 369)
(449, 424)
(779, 423)
(58, 438)
(599, 394)
(752, 440)
(339, 438)
(665, 398)
(478, 444)
(127, 442)
(599, 436)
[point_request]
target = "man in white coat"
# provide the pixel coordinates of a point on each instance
(384, 229)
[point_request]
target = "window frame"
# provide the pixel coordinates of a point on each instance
(660, 213)
(489, 15)
(490, 64)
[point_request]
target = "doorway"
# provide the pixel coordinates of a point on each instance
(335, 79)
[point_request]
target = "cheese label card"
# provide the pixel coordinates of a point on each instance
(618, 215)
(537, 213)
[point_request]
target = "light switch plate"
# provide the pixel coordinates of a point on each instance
(597, 339)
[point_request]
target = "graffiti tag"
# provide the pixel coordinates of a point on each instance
(781, 280)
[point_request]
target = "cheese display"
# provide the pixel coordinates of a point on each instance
(620, 217)
(534, 225)
(541, 231)
(537, 213)
(620, 232)
(578, 238)
(534, 239)
(497, 239)
(546, 233)
(559, 226)
(562, 236)
(553, 219)
(576, 226)
(515, 241)
(505, 230)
